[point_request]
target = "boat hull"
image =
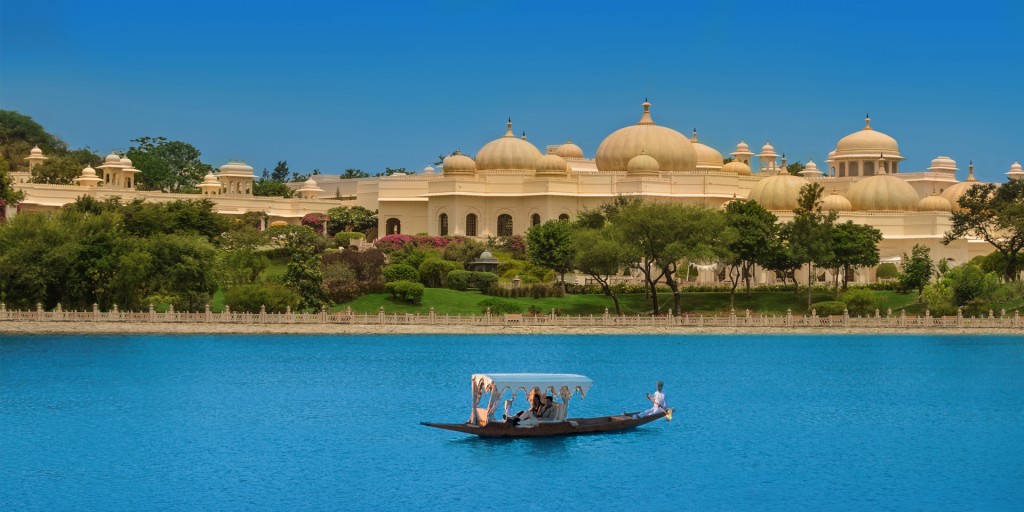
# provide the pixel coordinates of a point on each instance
(569, 427)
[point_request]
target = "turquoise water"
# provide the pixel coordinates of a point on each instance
(332, 423)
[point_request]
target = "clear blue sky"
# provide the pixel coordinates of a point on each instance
(392, 84)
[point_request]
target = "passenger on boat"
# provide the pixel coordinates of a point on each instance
(658, 399)
(546, 411)
(529, 417)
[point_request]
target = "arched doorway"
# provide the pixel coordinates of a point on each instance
(564, 216)
(535, 219)
(393, 226)
(504, 225)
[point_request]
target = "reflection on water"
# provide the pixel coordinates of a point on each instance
(332, 423)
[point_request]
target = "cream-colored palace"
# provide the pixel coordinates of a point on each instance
(512, 185)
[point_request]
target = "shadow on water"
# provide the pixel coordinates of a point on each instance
(547, 446)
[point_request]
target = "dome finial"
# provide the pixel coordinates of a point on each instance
(970, 172)
(508, 129)
(646, 118)
(867, 121)
(524, 135)
(881, 164)
(694, 138)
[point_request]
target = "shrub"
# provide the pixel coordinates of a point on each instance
(463, 279)
(406, 290)
(862, 302)
(887, 271)
(463, 250)
(315, 221)
(499, 306)
(458, 280)
(248, 298)
(827, 308)
(397, 242)
(345, 238)
(434, 272)
(412, 256)
(514, 244)
(400, 272)
(483, 280)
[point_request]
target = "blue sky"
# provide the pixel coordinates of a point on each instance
(381, 84)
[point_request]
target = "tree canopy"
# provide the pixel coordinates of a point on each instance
(994, 213)
(170, 166)
(550, 246)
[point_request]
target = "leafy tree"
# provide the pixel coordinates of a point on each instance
(304, 273)
(781, 260)
(170, 166)
(388, 171)
(280, 173)
(853, 246)
(795, 168)
(597, 254)
(271, 188)
(191, 216)
(887, 271)
(916, 269)
(550, 245)
(18, 133)
(440, 158)
(350, 218)
(756, 231)
(861, 302)
(966, 286)
(62, 169)
(809, 233)
(464, 250)
(7, 193)
(353, 174)
(995, 214)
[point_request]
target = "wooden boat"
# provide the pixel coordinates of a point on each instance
(497, 385)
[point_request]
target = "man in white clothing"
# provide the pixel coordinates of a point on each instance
(658, 399)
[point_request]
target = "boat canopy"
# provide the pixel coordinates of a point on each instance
(561, 384)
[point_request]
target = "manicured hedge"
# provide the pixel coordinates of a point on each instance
(829, 308)
(400, 272)
(407, 290)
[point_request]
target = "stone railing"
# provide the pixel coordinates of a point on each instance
(744, 320)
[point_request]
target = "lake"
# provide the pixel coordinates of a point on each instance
(332, 423)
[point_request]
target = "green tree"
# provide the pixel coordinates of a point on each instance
(596, 253)
(795, 168)
(18, 133)
(388, 171)
(271, 188)
(756, 230)
(280, 173)
(995, 214)
(7, 193)
(550, 246)
(304, 274)
(350, 218)
(353, 174)
(170, 166)
(966, 286)
(916, 269)
(809, 233)
(853, 246)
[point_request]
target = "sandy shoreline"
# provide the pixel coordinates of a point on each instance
(72, 328)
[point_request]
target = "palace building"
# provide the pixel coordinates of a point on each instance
(510, 185)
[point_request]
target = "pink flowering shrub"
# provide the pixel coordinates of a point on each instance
(315, 221)
(393, 243)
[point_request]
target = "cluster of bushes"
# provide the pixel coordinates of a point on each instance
(536, 291)
(463, 280)
(346, 238)
(434, 272)
(248, 298)
(400, 272)
(350, 274)
(406, 290)
(397, 242)
(856, 301)
(499, 307)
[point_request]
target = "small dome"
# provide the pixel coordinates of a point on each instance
(125, 161)
(210, 178)
(810, 170)
(943, 164)
(569, 150)
(642, 165)
(458, 164)
(836, 203)
(883, 192)
(309, 183)
(737, 167)
(742, 152)
(507, 153)
(551, 165)
(955, 192)
(36, 151)
(112, 158)
(768, 149)
(428, 170)
(671, 149)
(486, 255)
(89, 172)
(236, 169)
(779, 192)
(868, 142)
(708, 158)
(934, 203)
(1016, 172)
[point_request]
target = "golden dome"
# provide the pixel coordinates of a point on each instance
(934, 203)
(112, 158)
(643, 165)
(88, 172)
(670, 148)
(943, 164)
(125, 161)
(836, 203)
(236, 169)
(868, 142)
(779, 192)
(36, 151)
(953, 193)
(458, 164)
(210, 178)
(883, 192)
(737, 167)
(569, 150)
(708, 158)
(810, 170)
(551, 165)
(507, 153)
(1016, 171)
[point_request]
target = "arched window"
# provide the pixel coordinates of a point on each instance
(504, 225)
(442, 224)
(393, 226)
(471, 224)
(564, 216)
(535, 219)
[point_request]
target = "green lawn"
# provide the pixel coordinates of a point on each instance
(466, 303)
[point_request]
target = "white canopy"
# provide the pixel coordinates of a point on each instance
(560, 384)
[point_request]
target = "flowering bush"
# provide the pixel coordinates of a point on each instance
(392, 243)
(315, 221)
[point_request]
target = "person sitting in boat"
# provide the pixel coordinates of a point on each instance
(528, 417)
(658, 399)
(546, 411)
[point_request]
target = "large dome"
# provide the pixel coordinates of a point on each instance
(867, 142)
(708, 158)
(507, 153)
(670, 148)
(953, 193)
(458, 164)
(883, 192)
(779, 192)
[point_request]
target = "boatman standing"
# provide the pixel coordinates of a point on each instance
(658, 399)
